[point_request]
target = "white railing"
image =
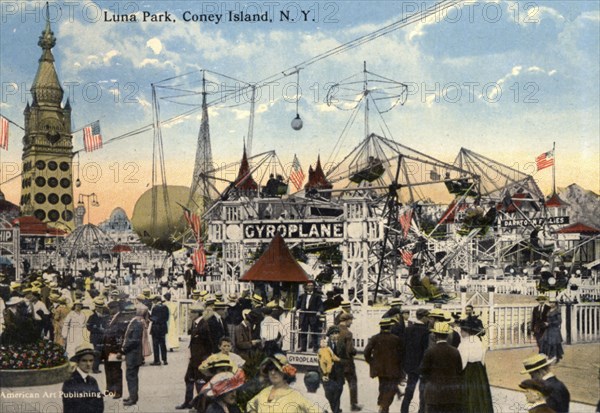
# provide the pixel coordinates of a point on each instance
(585, 323)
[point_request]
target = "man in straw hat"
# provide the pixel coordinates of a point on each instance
(536, 392)
(441, 371)
(346, 308)
(384, 353)
(80, 392)
(199, 349)
(346, 353)
(538, 367)
(416, 340)
(244, 343)
(539, 317)
(96, 325)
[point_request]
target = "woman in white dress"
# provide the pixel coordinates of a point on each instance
(74, 328)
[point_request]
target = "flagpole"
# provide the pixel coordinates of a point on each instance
(554, 168)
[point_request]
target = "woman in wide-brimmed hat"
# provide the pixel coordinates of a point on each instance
(73, 328)
(222, 392)
(279, 394)
(80, 393)
(477, 397)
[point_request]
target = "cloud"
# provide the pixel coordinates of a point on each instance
(155, 44)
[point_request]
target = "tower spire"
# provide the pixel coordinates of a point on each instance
(46, 86)
(202, 189)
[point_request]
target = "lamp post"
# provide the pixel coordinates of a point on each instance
(88, 197)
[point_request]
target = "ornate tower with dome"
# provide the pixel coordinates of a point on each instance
(47, 178)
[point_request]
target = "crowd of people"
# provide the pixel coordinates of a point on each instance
(237, 357)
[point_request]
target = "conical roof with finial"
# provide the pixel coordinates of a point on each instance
(277, 264)
(46, 87)
(244, 180)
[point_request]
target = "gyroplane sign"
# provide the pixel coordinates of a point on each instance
(294, 230)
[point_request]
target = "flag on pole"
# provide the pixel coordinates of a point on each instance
(407, 257)
(194, 222)
(199, 259)
(545, 160)
(3, 133)
(297, 175)
(92, 138)
(405, 220)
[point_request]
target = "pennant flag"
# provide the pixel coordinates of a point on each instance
(545, 160)
(297, 175)
(407, 257)
(194, 222)
(405, 220)
(199, 259)
(92, 138)
(3, 133)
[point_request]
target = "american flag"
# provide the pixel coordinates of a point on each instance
(3, 133)
(407, 257)
(194, 222)
(199, 259)
(404, 221)
(92, 139)
(545, 160)
(297, 175)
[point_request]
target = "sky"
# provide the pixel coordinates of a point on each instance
(504, 79)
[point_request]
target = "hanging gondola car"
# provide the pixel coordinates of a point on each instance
(374, 170)
(460, 186)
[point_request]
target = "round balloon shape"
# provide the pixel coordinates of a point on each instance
(164, 234)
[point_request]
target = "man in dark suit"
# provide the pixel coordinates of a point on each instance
(416, 340)
(441, 370)
(244, 343)
(557, 397)
(346, 352)
(134, 357)
(160, 327)
(309, 306)
(216, 323)
(96, 325)
(384, 353)
(539, 317)
(190, 279)
(80, 392)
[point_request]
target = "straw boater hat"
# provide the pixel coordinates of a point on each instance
(99, 302)
(345, 304)
(536, 362)
(219, 305)
(386, 322)
(257, 298)
(441, 327)
(422, 312)
(203, 293)
(223, 383)
(395, 301)
(440, 314)
(195, 293)
(210, 301)
(541, 298)
(83, 350)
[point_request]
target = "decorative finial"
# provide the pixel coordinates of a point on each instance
(47, 40)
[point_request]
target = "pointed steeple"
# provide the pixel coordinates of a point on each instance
(46, 87)
(244, 180)
(68, 105)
